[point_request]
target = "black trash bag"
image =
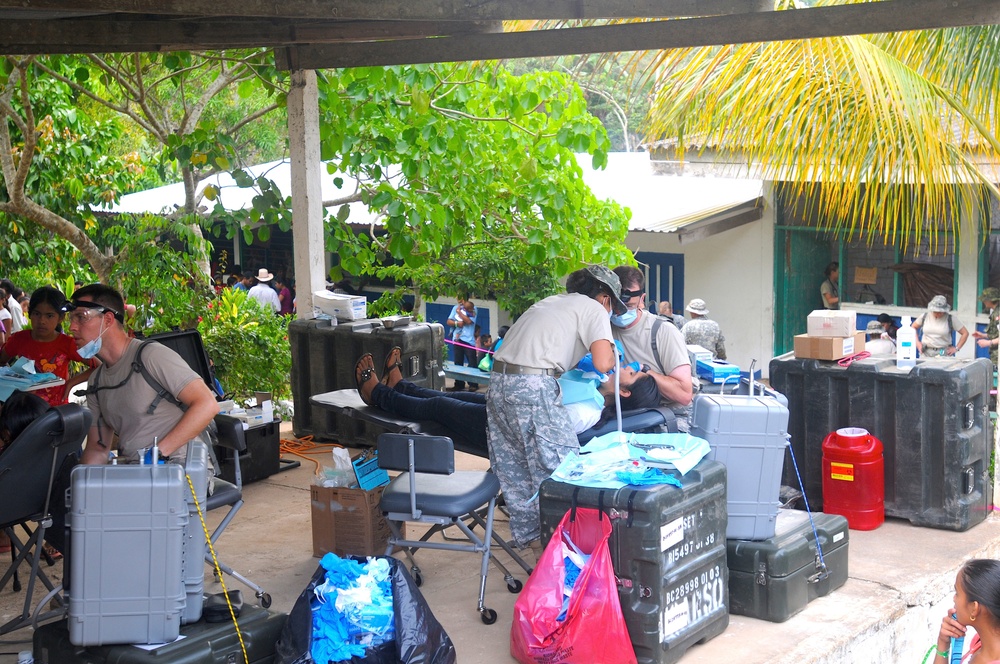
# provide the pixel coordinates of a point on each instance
(420, 638)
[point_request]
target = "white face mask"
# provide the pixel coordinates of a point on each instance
(91, 348)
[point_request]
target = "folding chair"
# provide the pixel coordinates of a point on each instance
(28, 470)
(432, 491)
(232, 437)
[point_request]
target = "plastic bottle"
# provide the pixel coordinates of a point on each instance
(25, 657)
(957, 644)
(906, 345)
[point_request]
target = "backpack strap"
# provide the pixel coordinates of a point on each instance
(138, 367)
(161, 392)
(657, 322)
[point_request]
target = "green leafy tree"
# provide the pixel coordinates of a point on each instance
(248, 344)
(195, 113)
(459, 161)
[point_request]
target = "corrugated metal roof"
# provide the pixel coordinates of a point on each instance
(659, 203)
(666, 203)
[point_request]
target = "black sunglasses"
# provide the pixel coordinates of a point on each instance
(627, 295)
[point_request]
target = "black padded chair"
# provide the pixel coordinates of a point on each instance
(28, 470)
(431, 491)
(229, 494)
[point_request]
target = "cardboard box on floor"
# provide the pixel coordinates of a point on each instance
(828, 348)
(348, 522)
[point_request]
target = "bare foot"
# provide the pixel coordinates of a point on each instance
(366, 378)
(393, 367)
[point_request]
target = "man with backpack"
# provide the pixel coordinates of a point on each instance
(143, 391)
(655, 343)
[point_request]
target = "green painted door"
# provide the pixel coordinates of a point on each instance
(800, 257)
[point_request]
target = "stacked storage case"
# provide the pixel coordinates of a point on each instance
(203, 643)
(132, 528)
(668, 551)
(323, 359)
(932, 421)
(748, 434)
(126, 554)
(774, 579)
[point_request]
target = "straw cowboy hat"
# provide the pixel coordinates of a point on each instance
(264, 275)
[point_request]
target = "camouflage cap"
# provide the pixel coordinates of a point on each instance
(939, 304)
(874, 327)
(611, 281)
(991, 293)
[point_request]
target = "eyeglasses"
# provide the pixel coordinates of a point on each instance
(81, 317)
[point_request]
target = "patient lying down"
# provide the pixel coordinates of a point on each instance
(463, 414)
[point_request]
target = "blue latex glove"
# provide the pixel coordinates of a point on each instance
(586, 365)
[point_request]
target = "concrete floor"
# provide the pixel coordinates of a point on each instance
(900, 585)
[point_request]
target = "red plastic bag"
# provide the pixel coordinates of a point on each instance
(594, 628)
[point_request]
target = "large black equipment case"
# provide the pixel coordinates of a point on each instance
(188, 344)
(668, 550)
(774, 579)
(323, 359)
(203, 643)
(932, 421)
(261, 459)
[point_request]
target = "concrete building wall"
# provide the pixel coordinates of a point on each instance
(734, 273)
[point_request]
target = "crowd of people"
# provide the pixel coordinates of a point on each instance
(270, 290)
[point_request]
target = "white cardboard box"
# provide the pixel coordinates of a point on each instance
(832, 323)
(340, 305)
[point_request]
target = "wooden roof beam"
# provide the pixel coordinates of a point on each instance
(427, 10)
(100, 36)
(866, 18)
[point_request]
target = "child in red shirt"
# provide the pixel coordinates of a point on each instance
(46, 344)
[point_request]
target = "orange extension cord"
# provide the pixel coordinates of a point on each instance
(305, 448)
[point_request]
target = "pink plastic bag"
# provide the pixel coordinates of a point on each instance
(594, 628)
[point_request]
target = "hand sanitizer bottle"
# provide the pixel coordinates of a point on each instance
(906, 345)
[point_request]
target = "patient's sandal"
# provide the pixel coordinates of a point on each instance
(393, 369)
(364, 375)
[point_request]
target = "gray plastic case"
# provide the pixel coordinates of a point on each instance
(127, 553)
(193, 571)
(748, 434)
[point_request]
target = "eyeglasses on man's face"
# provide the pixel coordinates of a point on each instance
(81, 317)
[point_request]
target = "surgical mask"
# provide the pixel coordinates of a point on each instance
(625, 319)
(91, 348)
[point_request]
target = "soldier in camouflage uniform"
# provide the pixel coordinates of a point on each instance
(702, 331)
(991, 338)
(528, 429)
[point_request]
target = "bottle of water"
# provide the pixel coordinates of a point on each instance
(25, 657)
(906, 345)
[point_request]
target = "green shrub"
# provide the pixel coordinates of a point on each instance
(248, 344)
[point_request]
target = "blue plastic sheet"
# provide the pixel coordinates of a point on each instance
(352, 609)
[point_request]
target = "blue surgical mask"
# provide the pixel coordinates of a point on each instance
(625, 319)
(91, 348)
